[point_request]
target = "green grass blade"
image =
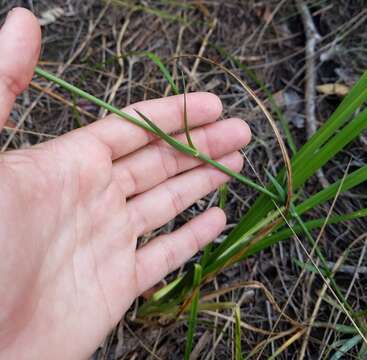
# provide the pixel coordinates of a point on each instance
(223, 193)
(223, 253)
(309, 267)
(348, 345)
(284, 234)
(355, 98)
(157, 60)
(186, 122)
(217, 262)
(150, 10)
(303, 171)
(75, 90)
(279, 188)
(352, 180)
(170, 140)
(151, 127)
(193, 152)
(193, 311)
(237, 317)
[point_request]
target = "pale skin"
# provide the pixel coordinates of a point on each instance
(72, 209)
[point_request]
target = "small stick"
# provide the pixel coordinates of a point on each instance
(312, 39)
(60, 98)
(202, 49)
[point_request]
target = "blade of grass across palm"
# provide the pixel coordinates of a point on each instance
(151, 127)
(193, 152)
(193, 311)
(75, 90)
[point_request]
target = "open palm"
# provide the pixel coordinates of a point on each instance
(72, 209)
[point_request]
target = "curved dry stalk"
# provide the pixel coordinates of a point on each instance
(267, 114)
(243, 324)
(60, 98)
(263, 343)
(287, 343)
(30, 132)
(252, 285)
(285, 156)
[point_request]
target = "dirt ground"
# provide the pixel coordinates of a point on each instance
(98, 45)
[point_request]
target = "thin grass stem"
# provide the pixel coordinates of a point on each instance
(151, 127)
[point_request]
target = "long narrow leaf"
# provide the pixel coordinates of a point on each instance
(157, 60)
(355, 98)
(193, 152)
(237, 316)
(311, 225)
(352, 130)
(348, 345)
(151, 127)
(352, 180)
(193, 311)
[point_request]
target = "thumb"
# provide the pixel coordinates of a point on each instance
(20, 40)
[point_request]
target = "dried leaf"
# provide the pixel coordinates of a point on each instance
(50, 16)
(333, 89)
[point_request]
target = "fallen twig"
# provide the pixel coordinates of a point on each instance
(312, 39)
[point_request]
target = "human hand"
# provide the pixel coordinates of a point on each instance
(72, 209)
